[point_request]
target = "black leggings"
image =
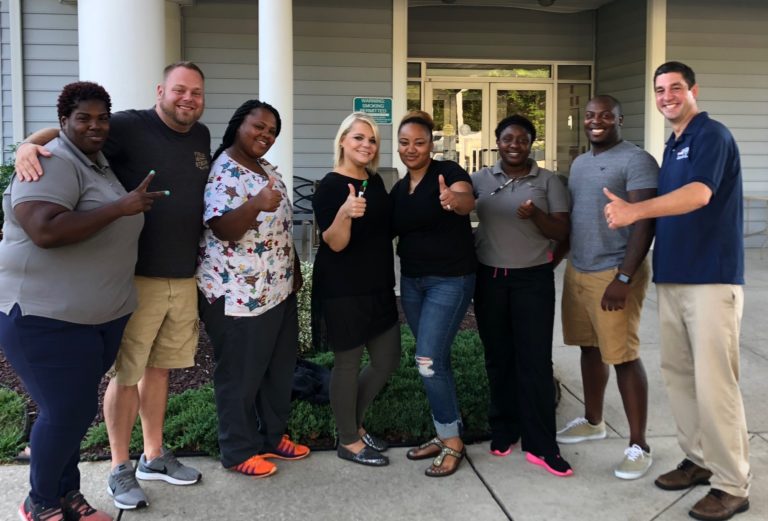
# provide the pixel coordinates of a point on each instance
(352, 389)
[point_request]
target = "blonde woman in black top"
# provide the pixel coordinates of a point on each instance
(353, 296)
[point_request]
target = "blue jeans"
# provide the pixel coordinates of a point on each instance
(434, 307)
(61, 365)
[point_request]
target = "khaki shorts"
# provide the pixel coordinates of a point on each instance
(162, 332)
(586, 324)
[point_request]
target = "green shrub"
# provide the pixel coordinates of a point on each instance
(400, 413)
(13, 420)
(6, 173)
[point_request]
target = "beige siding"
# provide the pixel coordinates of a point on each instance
(620, 61)
(727, 47)
(448, 31)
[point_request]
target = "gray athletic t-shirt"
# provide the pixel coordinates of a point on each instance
(622, 168)
(503, 240)
(88, 282)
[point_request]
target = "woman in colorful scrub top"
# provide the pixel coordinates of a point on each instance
(248, 277)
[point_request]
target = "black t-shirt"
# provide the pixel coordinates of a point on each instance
(138, 142)
(432, 241)
(353, 298)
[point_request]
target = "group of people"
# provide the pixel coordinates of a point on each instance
(148, 232)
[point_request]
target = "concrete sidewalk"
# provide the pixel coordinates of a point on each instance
(324, 487)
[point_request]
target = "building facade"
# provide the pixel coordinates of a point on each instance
(469, 62)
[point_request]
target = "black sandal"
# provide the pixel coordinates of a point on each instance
(437, 463)
(412, 454)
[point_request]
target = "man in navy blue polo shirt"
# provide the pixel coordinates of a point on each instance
(698, 265)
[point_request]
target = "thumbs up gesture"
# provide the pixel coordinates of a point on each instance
(447, 197)
(268, 198)
(527, 210)
(354, 206)
(618, 212)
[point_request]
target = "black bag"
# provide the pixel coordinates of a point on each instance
(311, 382)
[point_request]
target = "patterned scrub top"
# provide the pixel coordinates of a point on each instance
(255, 273)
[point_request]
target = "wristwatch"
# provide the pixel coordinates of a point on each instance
(623, 277)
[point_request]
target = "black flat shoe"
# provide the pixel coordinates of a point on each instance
(367, 456)
(374, 442)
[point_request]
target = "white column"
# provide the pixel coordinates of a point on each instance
(399, 74)
(655, 55)
(172, 33)
(17, 72)
(276, 78)
(122, 47)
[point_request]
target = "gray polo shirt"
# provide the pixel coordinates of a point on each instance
(503, 240)
(621, 168)
(89, 282)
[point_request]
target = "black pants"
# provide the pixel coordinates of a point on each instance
(515, 310)
(255, 358)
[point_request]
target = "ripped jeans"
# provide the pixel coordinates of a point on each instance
(434, 307)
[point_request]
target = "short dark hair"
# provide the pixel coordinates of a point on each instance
(688, 75)
(613, 101)
(185, 64)
(418, 117)
(73, 93)
(237, 119)
(520, 121)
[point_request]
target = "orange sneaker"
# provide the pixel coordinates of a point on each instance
(288, 450)
(255, 466)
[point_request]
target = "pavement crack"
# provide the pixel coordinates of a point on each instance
(488, 487)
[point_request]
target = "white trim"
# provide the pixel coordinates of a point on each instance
(17, 71)
(399, 74)
(655, 55)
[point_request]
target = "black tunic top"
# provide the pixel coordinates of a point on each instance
(353, 298)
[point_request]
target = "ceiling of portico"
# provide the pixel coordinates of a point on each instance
(558, 6)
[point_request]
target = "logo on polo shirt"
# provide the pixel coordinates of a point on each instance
(683, 154)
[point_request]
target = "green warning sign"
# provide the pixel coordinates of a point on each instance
(380, 109)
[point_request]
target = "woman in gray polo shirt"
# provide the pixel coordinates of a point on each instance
(522, 208)
(66, 292)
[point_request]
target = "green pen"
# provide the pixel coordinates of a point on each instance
(362, 188)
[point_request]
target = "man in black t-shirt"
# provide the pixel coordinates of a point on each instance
(162, 333)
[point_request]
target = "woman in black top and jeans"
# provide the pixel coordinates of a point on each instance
(437, 257)
(353, 298)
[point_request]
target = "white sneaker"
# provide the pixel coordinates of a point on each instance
(579, 429)
(635, 464)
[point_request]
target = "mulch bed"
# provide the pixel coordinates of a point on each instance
(180, 379)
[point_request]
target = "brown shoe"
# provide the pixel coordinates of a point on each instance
(719, 506)
(686, 475)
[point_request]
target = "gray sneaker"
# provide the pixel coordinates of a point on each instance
(124, 488)
(167, 468)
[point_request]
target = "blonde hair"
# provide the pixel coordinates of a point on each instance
(344, 128)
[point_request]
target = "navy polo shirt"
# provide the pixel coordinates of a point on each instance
(705, 246)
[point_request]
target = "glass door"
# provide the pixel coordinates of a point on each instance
(461, 113)
(466, 114)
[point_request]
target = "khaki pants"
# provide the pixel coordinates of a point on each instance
(700, 326)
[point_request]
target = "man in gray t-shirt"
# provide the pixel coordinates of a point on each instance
(606, 280)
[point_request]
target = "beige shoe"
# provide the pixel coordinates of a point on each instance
(579, 430)
(635, 464)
